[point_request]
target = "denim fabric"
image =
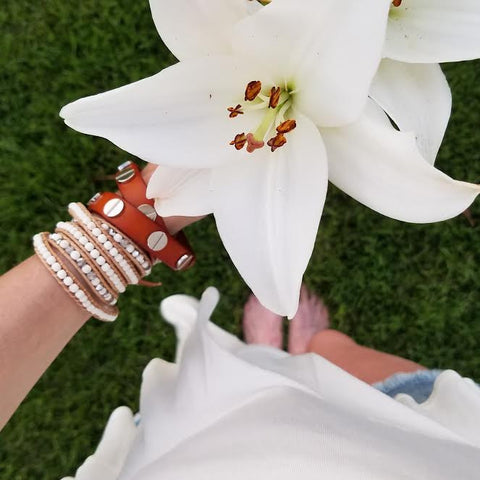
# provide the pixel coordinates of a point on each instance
(419, 385)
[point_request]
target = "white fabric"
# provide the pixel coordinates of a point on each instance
(226, 410)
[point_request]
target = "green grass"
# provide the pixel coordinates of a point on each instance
(412, 290)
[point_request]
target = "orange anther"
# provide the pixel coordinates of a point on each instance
(277, 141)
(286, 126)
(253, 89)
(239, 141)
(234, 111)
(274, 97)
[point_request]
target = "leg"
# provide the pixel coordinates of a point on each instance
(311, 317)
(260, 325)
(367, 364)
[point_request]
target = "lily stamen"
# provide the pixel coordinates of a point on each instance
(275, 105)
(286, 126)
(396, 3)
(239, 141)
(253, 89)
(277, 141)
(234, 111)
(274, 97)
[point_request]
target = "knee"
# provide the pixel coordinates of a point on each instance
(327, 340)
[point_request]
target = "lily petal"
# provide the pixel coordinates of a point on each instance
(417, 98)
(383, 169)
(267, 211)
(320, 50)
(178, 117)
(118, 437)
(433, 31)
(180, 191)
(192, 28)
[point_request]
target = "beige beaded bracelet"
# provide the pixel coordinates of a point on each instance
(90, 251)
(70, 284)
(91, 261)
(87, 269)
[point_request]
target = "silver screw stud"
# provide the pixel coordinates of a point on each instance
(113, 207)
(157, 241)
(183, 261)
(148, 211)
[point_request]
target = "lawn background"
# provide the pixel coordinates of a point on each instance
(412, 290)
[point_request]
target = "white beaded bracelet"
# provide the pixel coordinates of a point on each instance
(85, 268)
(108, 248)
(61, 275)
(89, 248)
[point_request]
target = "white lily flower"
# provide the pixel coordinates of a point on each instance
(246, 134)
(433, 31)
(410, 85)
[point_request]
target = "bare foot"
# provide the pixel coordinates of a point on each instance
(311, 317)
(260, 325)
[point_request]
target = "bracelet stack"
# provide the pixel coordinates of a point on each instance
(95, 256)
(92, 265)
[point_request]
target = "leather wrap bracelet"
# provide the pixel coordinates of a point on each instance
(134, 215)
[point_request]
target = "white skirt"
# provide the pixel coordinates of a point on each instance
(226, 411)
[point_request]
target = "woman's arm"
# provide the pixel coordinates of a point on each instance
(37, 320)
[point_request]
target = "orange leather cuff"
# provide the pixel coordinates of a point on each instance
(135, 216)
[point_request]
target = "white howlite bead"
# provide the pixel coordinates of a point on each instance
(86, 269)
(68, 281)
(91, 225)
(77, 235)
(63, 243)
(130, 248)
(105, 267)
(135, 254)
(117, 237)
(56, 267)
(94, 253)
(75, 255)
(82, 295)
(89, 246)
(95, 282)
(61, 274)
(140, 258)
(96, 231)
(108, 245)
(118, 258)
(102, 238)
(55, 236)
(83, 240)
(113, 252)
(78, 294)
(73, 287)
(50, 260)
(100, 260)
